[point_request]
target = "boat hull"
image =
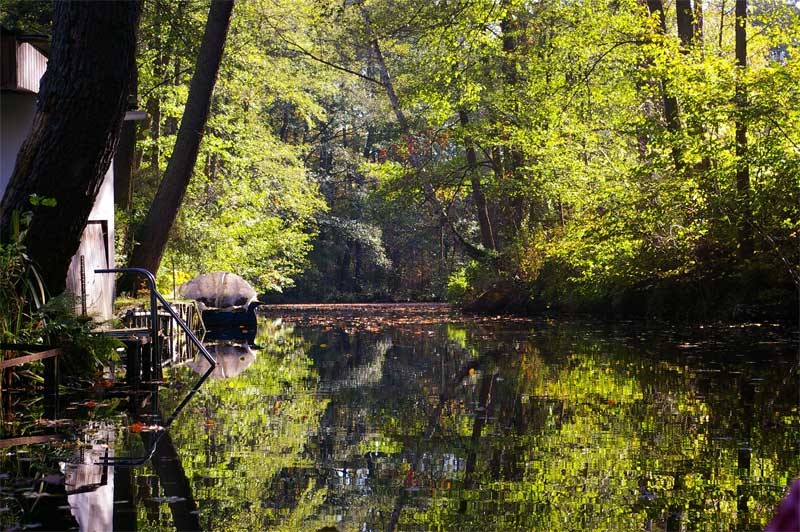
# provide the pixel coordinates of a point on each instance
(242, 319)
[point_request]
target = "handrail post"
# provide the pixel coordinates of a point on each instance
(155, 352)
(156, 297)
(151, 285)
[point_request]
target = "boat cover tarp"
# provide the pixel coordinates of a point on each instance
(219, 290)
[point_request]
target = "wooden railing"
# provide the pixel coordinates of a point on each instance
(25, 359)
(48, 355)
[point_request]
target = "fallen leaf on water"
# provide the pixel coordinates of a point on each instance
(143, 427)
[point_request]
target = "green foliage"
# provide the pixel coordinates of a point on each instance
(85, 352)
(251, 205)
(26, 17)
(28, 316)
(458, 285)
(311, 173)
(22, 290)
(584, 176)
(266, 415)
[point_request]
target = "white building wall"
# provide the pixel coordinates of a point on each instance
(96, 291)
(17, 109)
(16, 117)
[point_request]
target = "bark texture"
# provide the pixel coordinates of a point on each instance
(481, 208)
(75, 129)
(745, 233)
(153, 235)
(684, 17)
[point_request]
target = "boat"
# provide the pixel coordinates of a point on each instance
(241, 318)
(227, 302)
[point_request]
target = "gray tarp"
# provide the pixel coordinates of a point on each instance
(219, 290)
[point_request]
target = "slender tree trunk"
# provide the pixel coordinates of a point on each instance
(370, 140)
(357, 267)
(123, 161)
(690, 32)
(482, 211)
(670, 102)
(154, 116)
(344, 269)
(671, 116)
(513, 158)
(684, 17)
(79, 112)
(745, 234)
(154, 108)
(386, 80)
(430, 194)
(698, 21)
(154, 232)
(283, 134)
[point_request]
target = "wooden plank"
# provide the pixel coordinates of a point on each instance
(25, 359)
(30, 440)
(125, 332)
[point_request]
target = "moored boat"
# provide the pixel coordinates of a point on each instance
(227, 301)
(243, 318)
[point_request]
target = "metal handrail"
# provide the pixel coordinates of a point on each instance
(133, 461)
(155, 297)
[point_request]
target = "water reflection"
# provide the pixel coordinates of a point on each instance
(89, 483)
(498, 426)
(232, 359)
(397, 421)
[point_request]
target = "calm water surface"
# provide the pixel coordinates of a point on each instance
(416, 418)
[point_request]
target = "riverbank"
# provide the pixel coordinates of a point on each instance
(725, 298)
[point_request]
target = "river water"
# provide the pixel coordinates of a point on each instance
(414, 417)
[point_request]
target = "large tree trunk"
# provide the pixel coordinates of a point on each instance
(153, 235)
(79, 112)
(745, 234)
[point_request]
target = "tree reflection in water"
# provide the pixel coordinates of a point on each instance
(373, 420)
(495, 425)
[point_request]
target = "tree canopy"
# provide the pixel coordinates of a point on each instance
(629, 154)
